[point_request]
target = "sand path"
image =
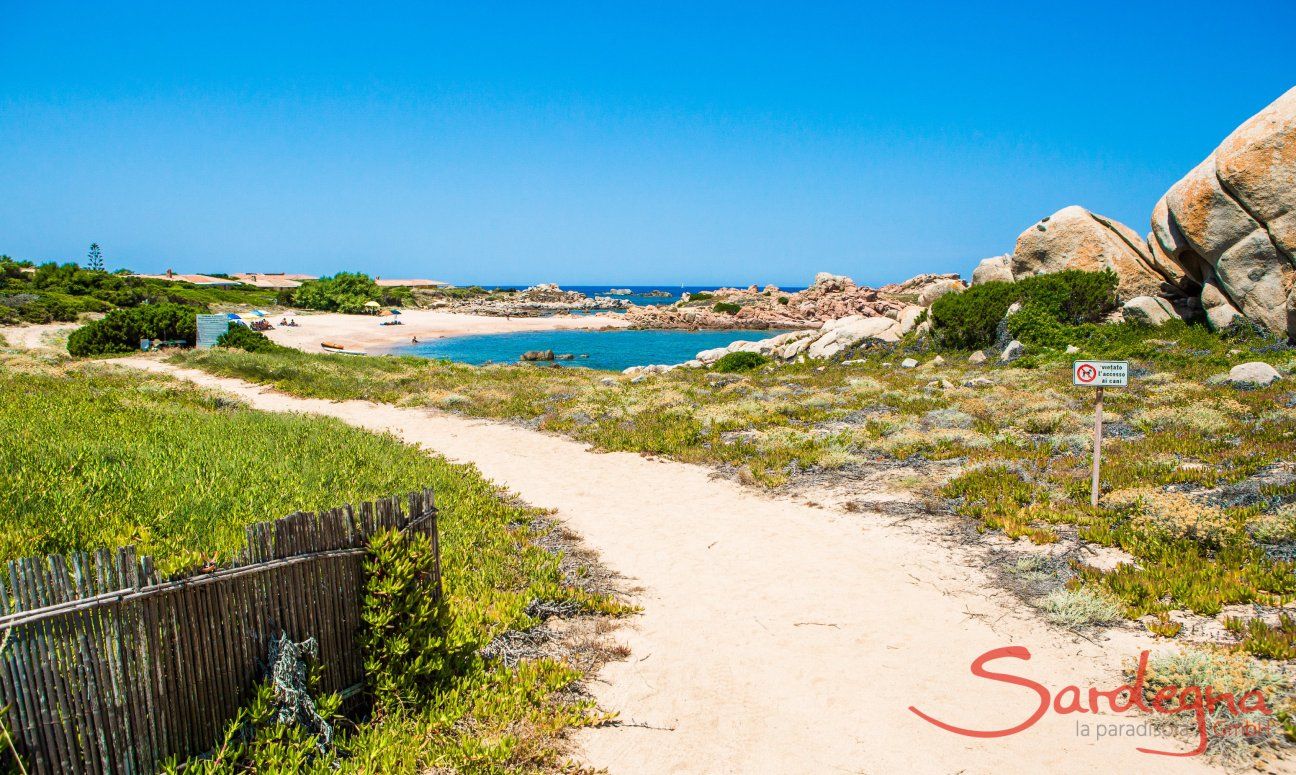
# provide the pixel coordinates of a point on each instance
(775, 636)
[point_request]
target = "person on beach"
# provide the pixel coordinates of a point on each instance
(414, 339)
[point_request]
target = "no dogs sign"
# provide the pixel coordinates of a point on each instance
(1100, 373)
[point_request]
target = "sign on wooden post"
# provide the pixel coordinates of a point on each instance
(1099, 374)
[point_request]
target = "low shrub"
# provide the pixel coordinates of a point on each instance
(967, 320)
(740, 361)
(726, 307)
(784, 300)
(1082, 606)
(1049, 304)
(243, 338)
(120, 331)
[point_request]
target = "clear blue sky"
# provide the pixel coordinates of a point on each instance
(600, 142)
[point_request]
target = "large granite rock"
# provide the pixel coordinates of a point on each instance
(1230, 223)
(996, 268)
(1152, 310)
(1074, 238)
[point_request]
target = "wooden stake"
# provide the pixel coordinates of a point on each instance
(1097, 453)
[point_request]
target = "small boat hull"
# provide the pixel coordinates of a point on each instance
(340, 349)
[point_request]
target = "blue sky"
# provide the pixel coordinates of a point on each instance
(606, 142)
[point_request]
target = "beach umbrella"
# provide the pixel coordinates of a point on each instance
(372, 303)
(396, 312)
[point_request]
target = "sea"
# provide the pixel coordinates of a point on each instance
(612, 350)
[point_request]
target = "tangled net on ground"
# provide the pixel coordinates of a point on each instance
(289, 680)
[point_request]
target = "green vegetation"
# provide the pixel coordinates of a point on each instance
(62, 292)
(343, 292)
(725, 308)
(120, 331)
(740, 361)
(969, 320)
(1176, 445)
(244, 338)
(96, 456)
(346, 292)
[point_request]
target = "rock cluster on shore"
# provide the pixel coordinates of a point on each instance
(1222, 246)
(543, 299)
(830, 297)
(1222, 241)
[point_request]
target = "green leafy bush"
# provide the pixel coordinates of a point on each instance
(969, 320)
(701, 296)
(343, 292)
(783, 300)
(120, 331)
(740, 361)
(726, 307)
(244, 338)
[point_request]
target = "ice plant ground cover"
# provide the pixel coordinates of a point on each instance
(1196, 482)
(97, 456)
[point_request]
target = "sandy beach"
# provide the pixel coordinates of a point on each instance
(364, 331)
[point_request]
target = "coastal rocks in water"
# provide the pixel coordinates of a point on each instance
(831, 297)
(1012, 352)
(565, 357)
(537, 300)
(993, 269)
(538, 355)
(1253, 374)
(1074, 238)
(1230, 223)
(618, 291)
(1152, 310)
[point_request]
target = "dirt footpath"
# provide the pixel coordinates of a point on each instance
(775, 636)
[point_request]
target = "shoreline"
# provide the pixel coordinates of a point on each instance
(364, 331)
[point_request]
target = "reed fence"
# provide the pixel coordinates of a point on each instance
(106, 668)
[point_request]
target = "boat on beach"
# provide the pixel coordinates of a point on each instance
(332, 347)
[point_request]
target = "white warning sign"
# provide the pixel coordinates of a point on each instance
(1100, 373)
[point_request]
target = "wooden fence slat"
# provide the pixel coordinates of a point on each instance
(108, 668)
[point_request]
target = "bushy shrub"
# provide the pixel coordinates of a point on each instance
(1049, 303)
(726, 307)
(783, 300)
(343, 292)
(740, 361)
(120, 331)
(244, 338)
(967, 320)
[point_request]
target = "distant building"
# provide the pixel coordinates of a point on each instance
(196, 279)
(409, 283)
(274, 279)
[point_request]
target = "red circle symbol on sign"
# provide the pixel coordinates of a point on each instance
(1086, 373)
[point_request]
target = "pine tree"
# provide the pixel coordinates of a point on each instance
(94, 260)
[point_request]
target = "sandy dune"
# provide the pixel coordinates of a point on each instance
(364, 331)
(775, 636)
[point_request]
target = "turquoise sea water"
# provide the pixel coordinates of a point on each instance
(615, 350)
